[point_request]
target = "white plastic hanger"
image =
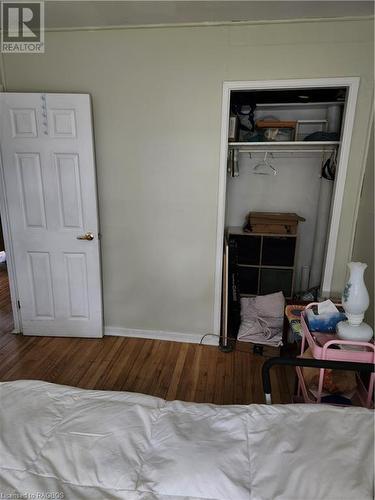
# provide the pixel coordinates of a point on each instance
(264, 167)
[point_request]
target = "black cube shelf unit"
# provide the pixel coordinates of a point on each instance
(266, 262)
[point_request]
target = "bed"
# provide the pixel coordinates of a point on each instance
(64, 442)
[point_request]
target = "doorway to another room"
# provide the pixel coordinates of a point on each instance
(6, 314)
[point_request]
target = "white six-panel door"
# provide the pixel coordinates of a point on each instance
(46, 143)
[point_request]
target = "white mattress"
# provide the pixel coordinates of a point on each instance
(81, 444)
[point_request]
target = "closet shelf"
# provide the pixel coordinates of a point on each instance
(284, 146)
(300, 104)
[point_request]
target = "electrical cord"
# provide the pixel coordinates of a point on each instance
(216, 335)
(208, 335)
(229, 338)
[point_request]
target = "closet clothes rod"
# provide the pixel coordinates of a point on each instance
(299, 151)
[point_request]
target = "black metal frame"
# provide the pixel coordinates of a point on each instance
(308, 362)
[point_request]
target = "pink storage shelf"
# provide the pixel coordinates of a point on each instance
(322, 347)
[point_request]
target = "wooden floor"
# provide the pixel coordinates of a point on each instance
(6, 318)
(170, 370)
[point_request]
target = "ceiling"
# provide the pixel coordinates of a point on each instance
(92, 13)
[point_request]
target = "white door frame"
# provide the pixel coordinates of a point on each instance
(352, 85)
(7, 235)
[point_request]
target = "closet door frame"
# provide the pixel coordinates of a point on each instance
(352, 85)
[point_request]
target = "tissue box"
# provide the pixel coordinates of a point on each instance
(325, 323)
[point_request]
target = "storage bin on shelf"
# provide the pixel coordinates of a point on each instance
(330, 347)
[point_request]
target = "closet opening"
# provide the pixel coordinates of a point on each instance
(6, 312)
(284, 156)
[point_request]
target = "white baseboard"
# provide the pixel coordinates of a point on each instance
(192, 338)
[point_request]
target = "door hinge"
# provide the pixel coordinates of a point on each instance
(18, 304)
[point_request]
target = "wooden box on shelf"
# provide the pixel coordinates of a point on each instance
(272, 223)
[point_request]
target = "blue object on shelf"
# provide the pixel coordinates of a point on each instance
(324, 323)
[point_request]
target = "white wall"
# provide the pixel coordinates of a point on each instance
(363, 249)
(157, 108)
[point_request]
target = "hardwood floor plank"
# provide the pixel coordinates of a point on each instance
(6, 317)
(123, 364)
(177, 372)
(14, 352)
(228, 380)
(219, 378)
(80, 359)
(204, 368)
(48, 368)
(161, 386)
(161, 370)
(64, 363)
(243, 393)
(142, 369)
(256, 378)
(33, 358)
(187, 383)
(6, 340)
(100, 365)
(211, 353)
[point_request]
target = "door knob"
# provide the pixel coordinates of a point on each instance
(88, 236)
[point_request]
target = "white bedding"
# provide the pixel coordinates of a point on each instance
(62, 442)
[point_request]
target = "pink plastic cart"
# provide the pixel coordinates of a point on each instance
(329, 347)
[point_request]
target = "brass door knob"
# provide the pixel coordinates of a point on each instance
(88, 236)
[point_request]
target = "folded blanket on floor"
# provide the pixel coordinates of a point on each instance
(262, 319)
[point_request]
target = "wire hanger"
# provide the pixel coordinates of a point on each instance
(264, 167)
